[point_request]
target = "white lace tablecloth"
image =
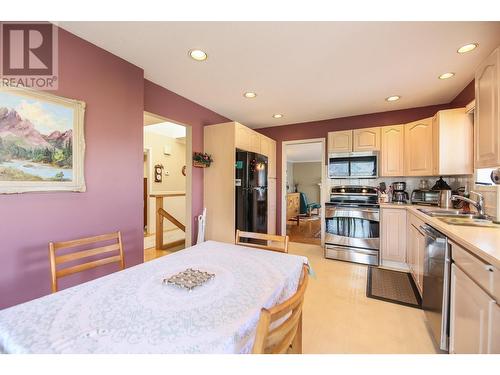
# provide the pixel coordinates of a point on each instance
(131, 311)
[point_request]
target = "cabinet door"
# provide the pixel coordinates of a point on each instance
(242, 134)
(255, 142)
(340, 141)
(418, 148)
(486, 127)
(494, 331)
(412, 243)
(469, 315)
(366, 139)
(416, 243)
(271, 206)
(392, 151)
(420, 255)
(393, 236)
(264, 145)
(452, 130)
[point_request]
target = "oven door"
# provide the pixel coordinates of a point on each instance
(353, 227)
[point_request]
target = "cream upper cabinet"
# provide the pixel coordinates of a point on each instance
(418, 148)
(268, 148)
(452, 131)
(340, 141)
(392, 151)
(487, 113)
(393, 235)
(247, 139)
(367, 139)
(265, 145)
(243, 136)
(255, 143)
(471, 314)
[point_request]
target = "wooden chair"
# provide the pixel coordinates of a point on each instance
(270, 238)
(70, 257)
(287, 336)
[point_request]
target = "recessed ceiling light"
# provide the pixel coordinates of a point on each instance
(198, 55)
(277, 115)
(392, 98)
(446, 75)
(467, 48)
(249, 95)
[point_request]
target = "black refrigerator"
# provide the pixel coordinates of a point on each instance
(251, 191)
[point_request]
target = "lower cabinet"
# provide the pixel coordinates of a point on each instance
(415, 251)
(474, 317)
(494, 341)
(393, 237)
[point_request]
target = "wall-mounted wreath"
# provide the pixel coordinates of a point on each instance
(201, 160)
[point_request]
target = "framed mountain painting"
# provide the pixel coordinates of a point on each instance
(42, 143)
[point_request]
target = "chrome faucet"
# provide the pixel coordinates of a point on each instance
(479, 204)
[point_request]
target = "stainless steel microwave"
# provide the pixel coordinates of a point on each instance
(353, 165)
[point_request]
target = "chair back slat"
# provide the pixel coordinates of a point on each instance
(86, 253)
(270, 238)
(85, 241)
(106, 250)
(276, 335)
(86, 266)
(288, 333)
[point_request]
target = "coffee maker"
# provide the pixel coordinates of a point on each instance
(399, 195)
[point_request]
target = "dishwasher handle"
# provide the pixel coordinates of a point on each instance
(430, 232)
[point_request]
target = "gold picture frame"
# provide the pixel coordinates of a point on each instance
(42, 142)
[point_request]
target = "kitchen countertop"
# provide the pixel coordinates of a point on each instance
(483, 242)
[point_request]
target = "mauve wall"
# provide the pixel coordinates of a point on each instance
(113, 91)
(320, 129)
(160, 101)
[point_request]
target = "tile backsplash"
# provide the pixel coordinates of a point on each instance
(491, 193)
(412, 183)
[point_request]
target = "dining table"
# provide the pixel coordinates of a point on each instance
(135, 311)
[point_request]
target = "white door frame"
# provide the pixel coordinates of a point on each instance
(189, 174)
(148, 151)
(323, 187)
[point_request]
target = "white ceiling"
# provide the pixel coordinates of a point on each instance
(306, 70)
(168, 129)
(304, 152)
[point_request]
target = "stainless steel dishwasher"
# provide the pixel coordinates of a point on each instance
(436, 288)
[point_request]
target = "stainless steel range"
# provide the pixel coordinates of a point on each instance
(352, 224)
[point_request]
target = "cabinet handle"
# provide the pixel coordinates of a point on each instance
(489, 268)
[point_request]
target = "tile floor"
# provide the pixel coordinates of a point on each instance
(339, 318)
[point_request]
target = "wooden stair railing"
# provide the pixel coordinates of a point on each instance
(161, 214)
(172, 219)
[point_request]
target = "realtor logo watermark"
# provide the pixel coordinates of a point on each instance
(29, 56)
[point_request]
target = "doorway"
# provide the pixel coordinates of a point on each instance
(303, 195)
(167, 186)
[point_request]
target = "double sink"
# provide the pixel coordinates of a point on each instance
(459, 217)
